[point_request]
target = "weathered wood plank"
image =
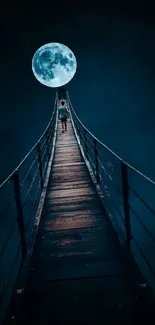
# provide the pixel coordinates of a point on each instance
(69, 185)
(62, 165)
(71, 193)
(86, 212)
(74, 168)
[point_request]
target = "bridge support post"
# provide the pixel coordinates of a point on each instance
(48, 133)
(125, 192)
(96, 162)
(78, 129)
(40, 165)
(20, 218)
(85, 143)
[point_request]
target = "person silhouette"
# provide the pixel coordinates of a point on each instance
(62, 115)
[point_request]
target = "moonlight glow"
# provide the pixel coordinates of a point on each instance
(54, 65)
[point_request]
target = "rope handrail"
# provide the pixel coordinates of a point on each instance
(31, 150)
(108, 149)
(116, 199)
(20, 195)
(142, 200)
(121, 160)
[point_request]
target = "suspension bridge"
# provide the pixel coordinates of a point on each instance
(77, 233)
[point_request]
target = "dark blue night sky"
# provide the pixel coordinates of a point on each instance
(112, 91)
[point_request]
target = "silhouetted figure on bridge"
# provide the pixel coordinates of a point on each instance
(63, 114)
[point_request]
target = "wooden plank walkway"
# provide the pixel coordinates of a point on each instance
(77, 273)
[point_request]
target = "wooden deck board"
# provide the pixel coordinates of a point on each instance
(77, 273)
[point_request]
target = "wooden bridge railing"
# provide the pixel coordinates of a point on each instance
(19, 200)
(128, 196)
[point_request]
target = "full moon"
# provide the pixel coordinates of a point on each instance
(54, 65)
